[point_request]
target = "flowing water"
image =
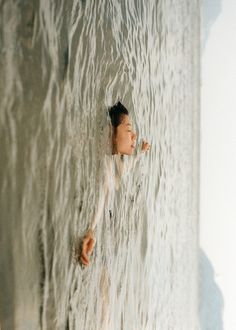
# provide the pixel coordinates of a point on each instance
(62, 63)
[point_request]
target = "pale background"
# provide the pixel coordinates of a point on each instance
(218, 149)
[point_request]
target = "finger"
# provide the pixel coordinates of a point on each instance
(90, 251)
(91, 244)
(84, 257)
(85, 241)
(144, 145)
(83, 261)
(84, 253)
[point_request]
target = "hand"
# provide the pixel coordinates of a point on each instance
(87, 247)
(145, 146)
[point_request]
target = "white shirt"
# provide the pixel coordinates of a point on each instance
(111, 170)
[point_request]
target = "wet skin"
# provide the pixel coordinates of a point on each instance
(87, 247)
(125, 139)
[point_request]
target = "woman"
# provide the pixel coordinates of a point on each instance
(123, 143)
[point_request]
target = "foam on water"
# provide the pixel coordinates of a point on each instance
(62, 64)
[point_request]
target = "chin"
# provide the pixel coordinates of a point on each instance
(129, 153)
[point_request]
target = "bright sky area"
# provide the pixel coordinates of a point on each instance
(218, 156)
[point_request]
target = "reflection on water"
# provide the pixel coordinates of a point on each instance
(62, 64)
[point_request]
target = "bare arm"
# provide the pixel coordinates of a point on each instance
(142, 149)
(89, 238)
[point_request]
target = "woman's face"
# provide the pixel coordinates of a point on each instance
(125, 139)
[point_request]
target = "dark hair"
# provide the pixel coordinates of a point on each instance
(116, 113)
